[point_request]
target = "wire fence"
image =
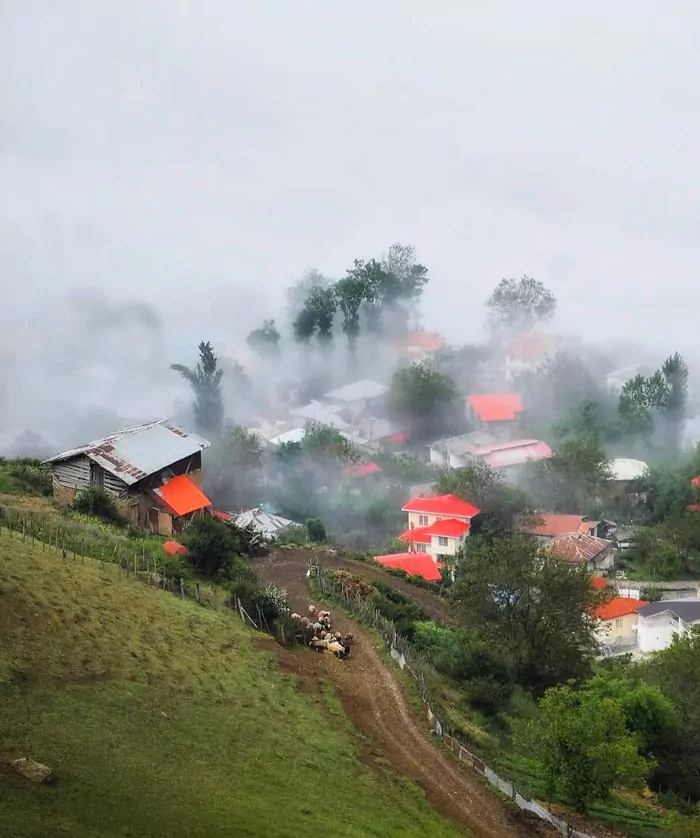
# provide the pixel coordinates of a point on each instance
(409, 660)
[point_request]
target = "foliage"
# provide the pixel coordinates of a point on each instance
(316, 316)
(403, 467)
(265, 340)
(400, 262)
(233, 473)
(676, 671)
(531, 606)
(570, 480)
(205, 381)
(326, 445)
(474, 664)
(520, 304)
(421, 395)
(316, 531)
(350, 294)
(398, 608)
(95, 501)
(501, 503)
(27, 475)
(214, 549)
(584, 746)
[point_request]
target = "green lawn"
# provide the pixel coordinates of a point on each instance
(161, 717)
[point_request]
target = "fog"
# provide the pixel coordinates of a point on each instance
(169, 168)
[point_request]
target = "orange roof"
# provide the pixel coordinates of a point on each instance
(530, 346)
(415, 564)
(618, 607)
(427, 341)
(174, 548)
(447, 505)
(600, 583)
(554, 523)
(577, 548)
(361, 469)
(695, 481)
(182, 496)
(495, 407)
(447, 528)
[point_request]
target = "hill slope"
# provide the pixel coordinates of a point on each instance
(160, 717)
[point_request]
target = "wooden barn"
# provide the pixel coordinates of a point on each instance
(152, 472)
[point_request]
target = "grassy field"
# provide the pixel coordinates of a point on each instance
(161, 717)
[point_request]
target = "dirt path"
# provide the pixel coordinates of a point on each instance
(374, 700)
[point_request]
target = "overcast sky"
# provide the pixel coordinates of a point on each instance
(201, 154)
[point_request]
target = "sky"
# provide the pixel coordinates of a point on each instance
(197, 157)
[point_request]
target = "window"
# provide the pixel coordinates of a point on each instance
(422, 520)
(421, 548)
(618, 623)
(442, 541)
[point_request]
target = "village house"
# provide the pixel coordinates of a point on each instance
(659, 622)
(417, 346)
(617, 621)
(496, 413)
(437, 525)
(526, 353)
(152, 472)
(358, 396)
(624, 488)
(482, 446)
(597, 554)
(549, 525)
(379, 434)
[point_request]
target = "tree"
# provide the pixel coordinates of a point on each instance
(328, 446)
(529, 605)
(501, 503)
(298, 293)
(675, 373)
(233, 476)
(520, 304)
(584, 746)
(214, 548)
(400, 262)
(316, 316)
(205, 381)
(422, 396)
(265, 340)
(350, 294)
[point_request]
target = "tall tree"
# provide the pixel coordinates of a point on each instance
(400, 262)
(350, 294)
(530, 605)
(265, 340)
(675, 373)
(520, 304)
(233, 473)
(205, 381)
(422, 396)
(584, 746)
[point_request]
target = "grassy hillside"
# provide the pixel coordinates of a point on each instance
(160, 717)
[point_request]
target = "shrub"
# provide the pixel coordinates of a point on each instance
(316, 531)
(397, 608)
(95, 501)
(214, 548)
(27, 475)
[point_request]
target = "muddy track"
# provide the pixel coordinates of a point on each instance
(374, 699)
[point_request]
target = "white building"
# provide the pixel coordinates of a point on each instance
(437, 525)
(322, 413)
(480, 446)
(659, 622)
(358, 396)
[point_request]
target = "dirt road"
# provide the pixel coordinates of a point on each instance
(374, 700)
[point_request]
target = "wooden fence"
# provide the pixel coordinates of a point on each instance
(410, 660)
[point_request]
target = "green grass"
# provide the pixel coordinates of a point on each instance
(161, 717)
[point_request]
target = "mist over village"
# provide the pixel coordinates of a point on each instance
(349, 421)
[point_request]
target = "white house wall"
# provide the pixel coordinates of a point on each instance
(656, 633)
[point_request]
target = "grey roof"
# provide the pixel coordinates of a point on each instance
(134, 453)
(364, 389)
(324, 414)
(687, 609)
(465, 443)
(266, 523)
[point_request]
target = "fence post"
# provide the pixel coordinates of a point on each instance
(182, 587)
(197, 592)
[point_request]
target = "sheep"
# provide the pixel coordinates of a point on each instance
(324, 615)
(317, 627)
(324, 634)
(319, 645)
(348, 639)
(296, 617)
(312, 610)
(338, 649)
(305, 621)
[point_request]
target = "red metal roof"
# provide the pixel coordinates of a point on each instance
(506, 454)
(618, 607)
(427, 341)
(495, 407)
(415, 564)
(174, 548)
(448, 505)
(600, 583)
(447, 528)
(182, 496)
(225, 516)
(577, 548)
(695, 481)
(361, 469)
(554, 524)
(398, 438)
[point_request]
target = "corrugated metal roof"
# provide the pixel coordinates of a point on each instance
(263, 522)
(357, 390)
(514, 453)
(577, 548)
(687, 609)
(324, 414)
(134, 453)
(182, 496)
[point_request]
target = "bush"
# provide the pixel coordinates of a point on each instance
(95, 501)
(271, 603)
(397, 608)
(316, 531)
(26, 475)
(214, 549)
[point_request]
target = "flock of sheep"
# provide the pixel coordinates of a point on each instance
(316, 631)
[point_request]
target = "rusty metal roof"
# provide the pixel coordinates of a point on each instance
(577, 547)
(134, 453)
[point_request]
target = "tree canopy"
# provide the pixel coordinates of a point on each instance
(265, 340)
(520, 304)
(422, 396)
(205, 381)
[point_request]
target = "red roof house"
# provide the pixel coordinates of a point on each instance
(495, 407)
(508, 454)
(415, 564)
(181, 496)
(444, 528)
(361, 469)
(443, 506)
(554, 524)
(618, 607)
